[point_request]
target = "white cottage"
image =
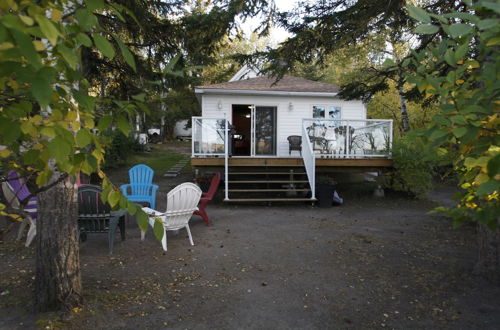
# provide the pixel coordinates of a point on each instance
(249, 122)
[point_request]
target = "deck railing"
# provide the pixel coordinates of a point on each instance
(353, 138)
(309, 160)
(210, 137)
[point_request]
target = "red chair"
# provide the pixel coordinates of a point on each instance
(207, 197)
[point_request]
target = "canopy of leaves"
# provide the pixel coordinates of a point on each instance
(462, 71)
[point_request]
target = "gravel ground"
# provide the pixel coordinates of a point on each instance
(371, 263)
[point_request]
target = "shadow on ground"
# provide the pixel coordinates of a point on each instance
(367, 264)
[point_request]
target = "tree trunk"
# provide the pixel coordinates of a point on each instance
(57, 281)
(404, 112)
(488, 264)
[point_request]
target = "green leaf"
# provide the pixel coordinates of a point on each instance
(458, 119)
(86, 101)
(131, 208)
(59, 149)
(103, 45)
(488, 23)
(449, 57)
(104, 123)
(139, 97)
(48, 29)
(10, 130)
(26, 48)
(94, 4)
(83, 138)
(114, 198)
(475, 109)
(461, 51)
(494, 166)
(463, 16)
(459, 29)
(84, 39)
(127, 55)
(438, 134)
(86, 19)
(470, 135)
(459, 131)
(488, 187)
(158, 229)
(123, 125)
(69, 55)
(418, 14)
(388, 62)
(142, 220)
(41, 90)
(48, 132)
(495, 6)
(426, 29)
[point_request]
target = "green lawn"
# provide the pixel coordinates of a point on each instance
(158, 159)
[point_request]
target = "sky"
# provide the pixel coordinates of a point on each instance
(277, 34)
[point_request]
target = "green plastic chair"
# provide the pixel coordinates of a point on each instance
(96, 217)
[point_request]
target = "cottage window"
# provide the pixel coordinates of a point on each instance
(327, 112)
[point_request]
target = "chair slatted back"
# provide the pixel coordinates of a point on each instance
(182, 201)
(16, 191)
(93, 214)
(18, 185)
(141, 177)
(214, 185)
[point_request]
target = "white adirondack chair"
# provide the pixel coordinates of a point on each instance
(182, 201)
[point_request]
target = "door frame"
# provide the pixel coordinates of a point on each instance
(253, 142)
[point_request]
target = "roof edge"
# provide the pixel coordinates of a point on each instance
(258, 92)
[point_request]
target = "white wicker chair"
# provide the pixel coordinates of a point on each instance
(182, 201)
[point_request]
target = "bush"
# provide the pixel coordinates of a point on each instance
(416, 163)
(119, 148)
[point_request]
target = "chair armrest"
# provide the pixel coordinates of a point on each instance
(152, 188)
(124, 187)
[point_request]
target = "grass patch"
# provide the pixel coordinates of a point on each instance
(160, 160)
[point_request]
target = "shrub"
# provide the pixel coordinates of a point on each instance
(119, 148)
(416, 163)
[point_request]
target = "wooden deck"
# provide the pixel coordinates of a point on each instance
(323, 164)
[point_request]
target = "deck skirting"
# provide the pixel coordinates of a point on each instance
(276, 161)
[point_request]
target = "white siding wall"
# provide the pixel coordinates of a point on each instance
(289, 122)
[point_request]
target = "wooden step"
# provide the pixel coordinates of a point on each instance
(266, 190)
(270, 200)
(270, 181)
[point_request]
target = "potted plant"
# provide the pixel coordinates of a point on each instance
(325, 187)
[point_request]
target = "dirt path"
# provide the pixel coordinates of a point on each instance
(367, 264)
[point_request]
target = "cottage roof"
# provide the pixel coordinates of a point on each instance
(269, 84)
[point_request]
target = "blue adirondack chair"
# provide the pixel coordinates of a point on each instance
(141, 187)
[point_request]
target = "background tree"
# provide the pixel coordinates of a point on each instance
(52, 97)
(322, 28)
(462, 70)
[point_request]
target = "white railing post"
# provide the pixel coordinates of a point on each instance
(226, 160)
(390, 139)
(309, 160)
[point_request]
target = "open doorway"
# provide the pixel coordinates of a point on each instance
(242, 123)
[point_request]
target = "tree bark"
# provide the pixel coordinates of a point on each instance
(488, 264)
(404, 112)
(57, 278)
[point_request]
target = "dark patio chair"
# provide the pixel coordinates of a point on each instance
(294, 143)
(96, 217)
